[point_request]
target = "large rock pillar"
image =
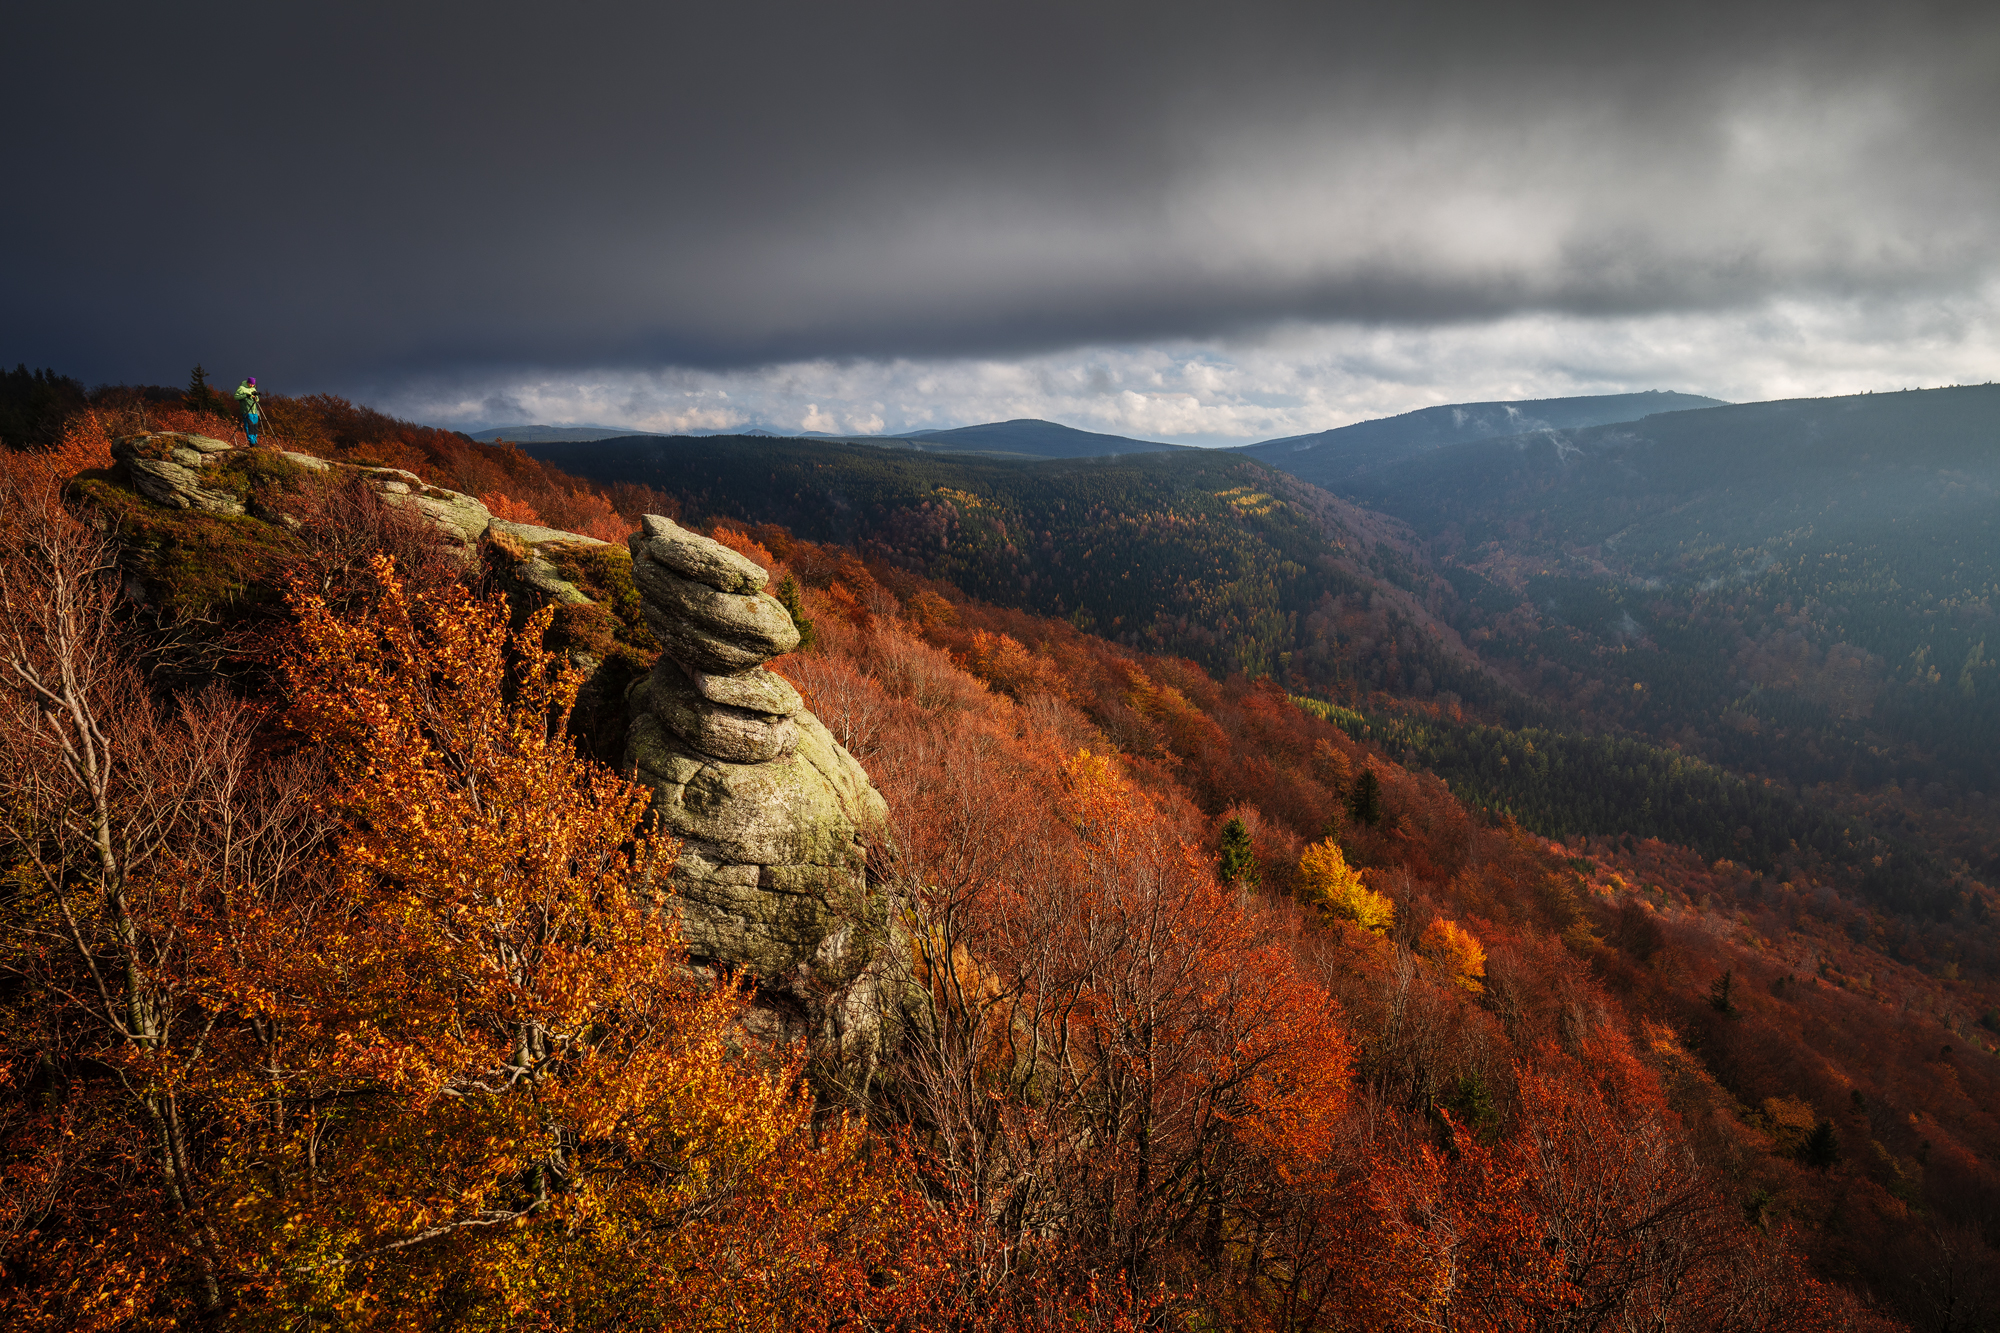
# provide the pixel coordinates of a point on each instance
(777, 821)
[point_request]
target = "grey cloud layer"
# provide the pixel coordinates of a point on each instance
(1291, 381)
(362, 194)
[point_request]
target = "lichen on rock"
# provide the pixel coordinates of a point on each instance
(778, 822)
(167, 469)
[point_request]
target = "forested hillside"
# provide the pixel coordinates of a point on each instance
(1259, 984)
(1200, 553)
(1753, 728)
(1341, 458)
(1800, 590)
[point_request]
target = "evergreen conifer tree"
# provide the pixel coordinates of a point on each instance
(1719, 993)
(788, 596)
(200, 397)
(1239, 863)
(1364, 803)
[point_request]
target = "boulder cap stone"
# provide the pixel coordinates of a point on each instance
(179, 487)
(460, 517)
(693, 556)
(166, 467)
(161, 444)
(529, 534)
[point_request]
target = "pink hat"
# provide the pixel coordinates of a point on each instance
(251, 380)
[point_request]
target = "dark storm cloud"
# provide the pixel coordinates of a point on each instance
(363, 194)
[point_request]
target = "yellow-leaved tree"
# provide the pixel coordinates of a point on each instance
(1327, 882)
(1455, 950)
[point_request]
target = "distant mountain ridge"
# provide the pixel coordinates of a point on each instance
(1035, 438)
(1330, 458)
(1807, 586)
(1337, 459)
(1025, 437)
(552, 434)
(1737, 476)
(585, 434)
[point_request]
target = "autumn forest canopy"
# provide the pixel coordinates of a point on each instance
(1504, 881)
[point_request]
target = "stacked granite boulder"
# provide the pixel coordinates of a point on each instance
(777, 821)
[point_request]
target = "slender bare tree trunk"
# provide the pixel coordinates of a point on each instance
(89, 791)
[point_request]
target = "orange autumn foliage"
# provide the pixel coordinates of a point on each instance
(454, 1073)
(544, 1019)
(513, 511)
(1456, 950)
(1391, 1219)
(743, 544)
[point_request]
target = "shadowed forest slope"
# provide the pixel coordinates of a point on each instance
(1347, 456)
(1800, 590)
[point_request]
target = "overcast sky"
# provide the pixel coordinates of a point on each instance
(1212, 223)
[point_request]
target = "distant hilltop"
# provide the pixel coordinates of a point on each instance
(1027, 437)
(553, 434)
(1038, 439)
(1331, 457)
(1338, 458)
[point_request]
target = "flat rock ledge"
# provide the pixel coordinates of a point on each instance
(177, 471)
(777, 821)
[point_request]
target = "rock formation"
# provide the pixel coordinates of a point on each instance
(180, 471)
(167, 469)
(777, 820)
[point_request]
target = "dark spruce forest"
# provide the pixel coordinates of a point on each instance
(1506, 866)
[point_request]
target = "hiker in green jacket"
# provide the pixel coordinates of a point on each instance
(246, 399)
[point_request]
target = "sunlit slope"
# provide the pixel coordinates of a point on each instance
(1340, 458)
(1201, 553)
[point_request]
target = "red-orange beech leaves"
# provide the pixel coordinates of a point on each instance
(511, 1087)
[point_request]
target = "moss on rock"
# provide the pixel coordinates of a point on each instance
(604, 575)
(191, 564)
(254, 475)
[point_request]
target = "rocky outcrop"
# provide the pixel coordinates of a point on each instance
(777, 821)
(168, 470)
(181, 471)
(532, 548)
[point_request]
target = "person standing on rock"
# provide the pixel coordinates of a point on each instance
(246, 399)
